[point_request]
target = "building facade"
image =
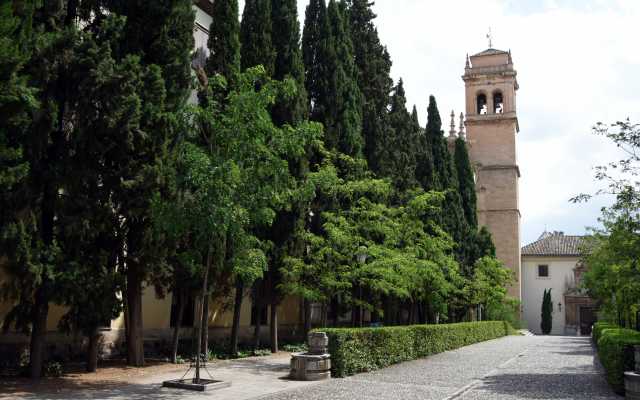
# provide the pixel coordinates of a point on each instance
(554, 261)
(492, 125)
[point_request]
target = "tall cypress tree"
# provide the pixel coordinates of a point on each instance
(161, 35)
(466, 183)
(374, 68)
(224, 40)
(288, 62)
(255, 36)
(397, 156)
(317, 50)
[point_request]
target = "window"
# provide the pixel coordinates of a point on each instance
(543, 271)
(498, 106)
(481, 101)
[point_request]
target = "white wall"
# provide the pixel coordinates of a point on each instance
(533, 287)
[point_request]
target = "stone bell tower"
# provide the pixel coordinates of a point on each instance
(492, 125)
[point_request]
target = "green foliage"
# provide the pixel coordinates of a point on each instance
(466, 183)
(226, 189)
(53, 369)
(331, 77)
(224, 41)
(288, 62)
(367, 349)
(256, 47)
(397, 158)
(373, 65)
(615, 352)
(546, 314)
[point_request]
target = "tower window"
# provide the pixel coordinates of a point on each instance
(498, 105)
(481, 102)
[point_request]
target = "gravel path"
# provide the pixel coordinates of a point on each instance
(504, 369)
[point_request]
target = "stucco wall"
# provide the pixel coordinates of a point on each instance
(533, 287)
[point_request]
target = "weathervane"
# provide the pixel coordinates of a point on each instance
(490, 38)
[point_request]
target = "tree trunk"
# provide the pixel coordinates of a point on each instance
(92, 351)
(176, 329)
(200, 318)
(258, 325)
(38, 334)
(307, 318)
(135, 344)
(205, 327)
(274, 327)
(237, 310)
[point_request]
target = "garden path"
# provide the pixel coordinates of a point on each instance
(515, 367)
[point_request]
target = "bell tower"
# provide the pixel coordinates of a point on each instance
(492, 125)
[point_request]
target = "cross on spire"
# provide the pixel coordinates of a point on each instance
(490, 38)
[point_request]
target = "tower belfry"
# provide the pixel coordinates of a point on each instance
(492, 125)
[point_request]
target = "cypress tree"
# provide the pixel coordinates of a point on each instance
(425, 169)
(288, 62)
(466, 183)
(344, 122)
(160, 35)
(331, 77)
(316, 46)
(546, 322)
(373, 64)
(224, 40)
(397, 156)
(255, 36)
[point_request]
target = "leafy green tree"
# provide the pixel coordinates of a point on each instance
(224, 41)
(373, 64)
(547, 313)
(236, 185)
(256, 36)
(611, 253)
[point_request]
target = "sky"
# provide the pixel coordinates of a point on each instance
(577, 64)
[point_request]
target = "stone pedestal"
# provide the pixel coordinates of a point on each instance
(632, 385)
(632, 378)
(314, 365)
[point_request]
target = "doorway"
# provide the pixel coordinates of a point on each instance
(587, 318)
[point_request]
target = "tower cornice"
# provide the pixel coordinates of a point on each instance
(480, 119)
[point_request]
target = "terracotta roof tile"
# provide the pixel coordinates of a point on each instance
(555, 244)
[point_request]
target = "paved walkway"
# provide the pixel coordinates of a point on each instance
(504, 369)
(516, 367)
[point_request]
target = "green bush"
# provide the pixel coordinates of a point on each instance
(355, 350)
(599, 327)
(615, 352)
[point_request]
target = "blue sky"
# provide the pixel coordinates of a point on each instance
(577, 64)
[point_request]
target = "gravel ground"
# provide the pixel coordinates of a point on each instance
(504, 369)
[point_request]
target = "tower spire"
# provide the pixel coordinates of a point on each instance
(461, 132)
(490, 38)
(452, 131)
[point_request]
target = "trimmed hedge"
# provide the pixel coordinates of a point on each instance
(355, 350)
(615, 352)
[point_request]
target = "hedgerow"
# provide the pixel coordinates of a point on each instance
(615, 351)
(355, 350)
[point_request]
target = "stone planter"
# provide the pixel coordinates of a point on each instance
(632, 385)
(632, 378)
(314, 365)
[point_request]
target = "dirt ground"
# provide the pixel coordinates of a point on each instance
(110, 373)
